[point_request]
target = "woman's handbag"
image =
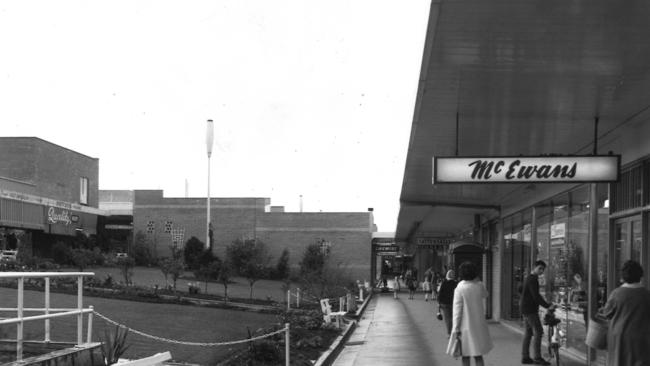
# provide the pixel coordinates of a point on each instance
(439, 315)
(597, 333)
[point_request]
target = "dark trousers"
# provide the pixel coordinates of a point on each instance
(446, 316)
(533, 330)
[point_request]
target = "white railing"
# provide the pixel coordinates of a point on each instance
(48, 312)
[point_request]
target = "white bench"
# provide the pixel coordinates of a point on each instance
(155, 360)
(329, 315)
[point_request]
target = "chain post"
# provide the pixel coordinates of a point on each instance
(286, 344)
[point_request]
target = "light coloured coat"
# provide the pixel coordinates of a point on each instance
(469, 319)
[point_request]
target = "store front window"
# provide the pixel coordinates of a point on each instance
(517, 239)
(562, 226)
(543, 217)
(627, 241)
(575, 306)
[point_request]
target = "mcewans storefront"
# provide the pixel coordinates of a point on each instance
(528, 81)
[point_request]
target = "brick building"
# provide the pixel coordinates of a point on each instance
(48, 193)
(166, 219)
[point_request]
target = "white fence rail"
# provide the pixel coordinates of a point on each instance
(48, 312)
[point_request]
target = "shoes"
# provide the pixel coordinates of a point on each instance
(541, 361)
(527, 361)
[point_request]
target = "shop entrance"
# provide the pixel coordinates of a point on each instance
(462, 251)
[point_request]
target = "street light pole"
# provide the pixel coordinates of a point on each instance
(208, 140)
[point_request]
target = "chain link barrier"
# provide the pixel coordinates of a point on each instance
(199, 344)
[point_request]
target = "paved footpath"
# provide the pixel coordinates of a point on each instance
(406, 332)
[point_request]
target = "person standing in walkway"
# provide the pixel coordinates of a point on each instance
(426, 285)
(411, 283)
(446, 298)
(628, 311)
(396, 285)
(469, 324)
(529, 304)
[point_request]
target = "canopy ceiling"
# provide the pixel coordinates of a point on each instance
(519, 77)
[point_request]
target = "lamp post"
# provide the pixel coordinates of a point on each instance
(208, 141)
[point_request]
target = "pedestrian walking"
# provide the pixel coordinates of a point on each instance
(427, 284)
(435, 284)
(411, 283)
(396, 286)
(529, 305)
(628, 311)
(446, 298)
(469, 324)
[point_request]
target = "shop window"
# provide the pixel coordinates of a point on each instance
(603, 244)
(628, 193)
(83, 190)
(507, 301)
(575, 303)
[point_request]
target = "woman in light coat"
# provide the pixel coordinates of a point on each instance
(628, 311)
(469, 322)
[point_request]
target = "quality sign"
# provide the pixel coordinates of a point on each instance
(520, 169)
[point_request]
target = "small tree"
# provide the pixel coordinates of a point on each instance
(141, 250)
(126, 265)
(225, 272)
(82, 258)
(250, 259)
(319, 275)
(209, 271)
(173, 266)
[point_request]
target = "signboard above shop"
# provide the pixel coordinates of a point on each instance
(386, 248)
(527, 169)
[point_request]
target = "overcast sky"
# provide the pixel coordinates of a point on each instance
(311, 98)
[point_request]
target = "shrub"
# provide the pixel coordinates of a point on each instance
(192, 252)
(142, 251)
(98, 257)
(281, 270)
(82, 258)
(61, 253)
(114, 344)
(266, 351)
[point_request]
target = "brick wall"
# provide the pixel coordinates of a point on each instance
(54, 171)
(348, 233)
(18, 160)
(234, 218)
(231, 218)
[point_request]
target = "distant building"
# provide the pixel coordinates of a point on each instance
(169, 221)
(48, 193)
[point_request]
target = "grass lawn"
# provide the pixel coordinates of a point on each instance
(239, 288)
(178, 322)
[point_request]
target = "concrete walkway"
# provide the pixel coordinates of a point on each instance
(406, 332)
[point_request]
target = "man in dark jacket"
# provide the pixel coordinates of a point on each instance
(529, 304)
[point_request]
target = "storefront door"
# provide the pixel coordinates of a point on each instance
(627, 243)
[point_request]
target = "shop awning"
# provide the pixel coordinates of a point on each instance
(519, 77)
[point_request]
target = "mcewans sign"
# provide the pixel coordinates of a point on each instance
(520, 169)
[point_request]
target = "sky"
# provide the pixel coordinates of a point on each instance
(311, 98)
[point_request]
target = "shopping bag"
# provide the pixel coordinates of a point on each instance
(454, 347)
(597, 333)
